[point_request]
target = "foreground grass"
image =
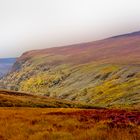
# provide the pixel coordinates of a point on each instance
(68, 124)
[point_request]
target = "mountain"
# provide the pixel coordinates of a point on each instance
(103, 73)
(6, 65)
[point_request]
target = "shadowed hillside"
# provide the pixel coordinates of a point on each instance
(104, 73)
(20, 99)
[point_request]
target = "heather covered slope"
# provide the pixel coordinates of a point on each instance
(67, 124)
(104, 73)
(20, 99)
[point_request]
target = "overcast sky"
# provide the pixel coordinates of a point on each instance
(29, 24)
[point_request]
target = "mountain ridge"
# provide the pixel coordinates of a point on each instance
(104, 72)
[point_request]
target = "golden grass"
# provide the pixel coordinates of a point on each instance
(60, 124)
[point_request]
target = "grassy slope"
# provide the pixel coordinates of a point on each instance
(20, 99)
(104, 73)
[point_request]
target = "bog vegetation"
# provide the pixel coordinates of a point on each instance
(68, 124)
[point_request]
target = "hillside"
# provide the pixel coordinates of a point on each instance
(104, 73)
(6, 65)
(21, 99)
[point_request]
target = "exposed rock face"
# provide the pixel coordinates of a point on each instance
(104, 72)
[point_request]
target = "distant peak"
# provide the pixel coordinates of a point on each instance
(128, 34)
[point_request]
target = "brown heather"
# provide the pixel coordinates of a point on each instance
(68, 124)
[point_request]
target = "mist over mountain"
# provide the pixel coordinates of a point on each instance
(6, 65)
